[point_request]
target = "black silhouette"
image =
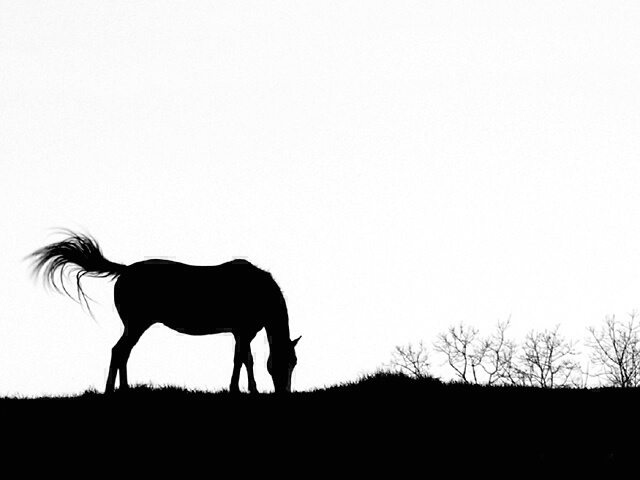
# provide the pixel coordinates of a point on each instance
(235, 297)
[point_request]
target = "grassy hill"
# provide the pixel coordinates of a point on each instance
(381, 421)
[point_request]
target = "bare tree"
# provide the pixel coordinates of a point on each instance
(547, 360)
(498, 354)
(615, 347)
(411, 360)
(463, 349)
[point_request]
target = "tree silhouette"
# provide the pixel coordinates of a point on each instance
(411, 360)
(615, 347)
(463, 349)
(547, 360)
(498, 353)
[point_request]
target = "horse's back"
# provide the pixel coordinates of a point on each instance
(163, 271)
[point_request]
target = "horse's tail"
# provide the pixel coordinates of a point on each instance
(83, 254)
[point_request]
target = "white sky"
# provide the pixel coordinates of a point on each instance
(398, 166)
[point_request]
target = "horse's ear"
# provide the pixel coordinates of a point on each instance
(295, 342)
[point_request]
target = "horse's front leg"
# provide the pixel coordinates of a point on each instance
(242, 356)
(248, 362)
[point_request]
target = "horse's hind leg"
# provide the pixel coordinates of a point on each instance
(119, 357)
(234, 387)
(111, 377)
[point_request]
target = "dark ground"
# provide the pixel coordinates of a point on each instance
(383, 424)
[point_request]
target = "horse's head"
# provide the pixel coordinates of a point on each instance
(282, 361)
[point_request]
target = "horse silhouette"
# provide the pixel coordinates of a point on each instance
(235, 297)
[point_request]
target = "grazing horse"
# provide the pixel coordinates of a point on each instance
(235, 297)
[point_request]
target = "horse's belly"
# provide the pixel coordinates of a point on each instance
(194, 321)
(196, 329)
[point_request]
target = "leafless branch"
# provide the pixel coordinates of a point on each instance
(547, 360)
(499, 356)
(615, 348)
(463, 351)
(411, 360)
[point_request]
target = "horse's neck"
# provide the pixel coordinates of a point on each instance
(278, 335)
